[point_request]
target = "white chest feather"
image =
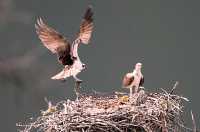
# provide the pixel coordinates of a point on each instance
(137, 78)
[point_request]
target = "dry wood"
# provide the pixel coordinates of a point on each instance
(149, 113)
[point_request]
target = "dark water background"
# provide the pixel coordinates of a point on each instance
(163, 35)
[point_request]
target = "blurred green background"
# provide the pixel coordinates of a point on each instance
(163, 35)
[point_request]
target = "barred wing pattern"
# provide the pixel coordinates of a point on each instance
(50, 38)
(86, 26)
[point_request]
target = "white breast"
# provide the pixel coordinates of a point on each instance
(137, 78)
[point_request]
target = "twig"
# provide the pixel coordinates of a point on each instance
(111, 113)
(193, 122)
(174, 87)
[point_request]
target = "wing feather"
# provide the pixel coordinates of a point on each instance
(51, 39)
(85, 31)
(127, 80)
(86, 26)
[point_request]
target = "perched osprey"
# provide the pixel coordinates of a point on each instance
(67, 53)
(134, 79)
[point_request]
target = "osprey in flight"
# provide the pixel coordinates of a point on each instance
(67, 53)
(134, 79)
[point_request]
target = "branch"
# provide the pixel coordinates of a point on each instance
(174, 87)
(193, 122)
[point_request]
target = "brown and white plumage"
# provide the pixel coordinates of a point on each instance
(67, 53)
(134, 79)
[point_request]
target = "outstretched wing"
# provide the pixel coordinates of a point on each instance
(51, 39)
(85, 31)
(86, 26)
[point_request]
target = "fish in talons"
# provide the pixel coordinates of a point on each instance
(133, 80)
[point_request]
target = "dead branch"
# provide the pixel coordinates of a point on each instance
(174, 87)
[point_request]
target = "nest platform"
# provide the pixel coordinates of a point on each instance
(145, 112)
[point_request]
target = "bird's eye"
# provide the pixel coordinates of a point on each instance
(83, 65)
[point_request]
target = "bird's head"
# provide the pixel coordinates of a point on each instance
(138, 66)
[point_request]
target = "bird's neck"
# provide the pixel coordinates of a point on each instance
(137, 71)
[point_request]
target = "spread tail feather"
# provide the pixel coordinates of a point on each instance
(60, 75)
(65, 73)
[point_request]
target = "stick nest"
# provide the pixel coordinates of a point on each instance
(145, 112)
